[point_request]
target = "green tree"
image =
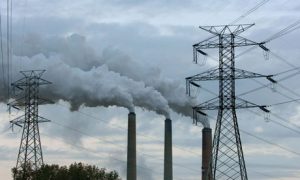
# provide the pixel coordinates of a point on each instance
(76, 171)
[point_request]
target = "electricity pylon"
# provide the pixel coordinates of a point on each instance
(27, 98)
(227, 161)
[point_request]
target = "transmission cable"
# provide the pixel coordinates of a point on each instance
(281, 33)
(125, 129)
(120, 146)
(284, 31)
(284, 102)
(267, 85)
(249, 11)
(2, 56)
(267, 141)
(176, 164)
(113, 143)
(8, 45)
(97, 153)
(277, 116)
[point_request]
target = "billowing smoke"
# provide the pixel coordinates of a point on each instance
(202, 118)
(84, 77)
(96, 87)
(172, 90)
(83, 61)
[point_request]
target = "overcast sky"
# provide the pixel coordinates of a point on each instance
(147, 46)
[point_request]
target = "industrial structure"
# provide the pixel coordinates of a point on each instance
(206, 152)
(27, 97)
(168, 156)
(227, 160)
(131, 147)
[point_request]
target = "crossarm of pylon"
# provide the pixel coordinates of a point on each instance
(18, 83)
(42, 101)
(200, 117)
(214, 75)
(19, 103)
(21, 119)
(18, 121)
(42, 119)
(213, 42)
(244, 74)
(213, 104)
(22, 83)
(205, 76)
(242, 104)
(226, 29)
(30, 73)
(43, 81)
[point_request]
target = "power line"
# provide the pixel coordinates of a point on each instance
(118, 145)
(10, 43)
(1, 48)
(181, 165)
(278, 123)
(96, 153)
(287, 71)
(271, 143)
(277, 116)
(283, 59)
(250, 11)
(267, 85)
(122, 128)
(176, 164)
(284, 102)
(115, 144)
(146, 168)
(110, 142)
(279, 34)
(267, 141)
(290, 91)
(289, 29)
(280, 103)
(8, 46)
(22, 42)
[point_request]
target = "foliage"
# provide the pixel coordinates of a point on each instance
(76, 171)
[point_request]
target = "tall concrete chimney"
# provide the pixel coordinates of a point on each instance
(168, 165)
(131, 147)
(206, 153)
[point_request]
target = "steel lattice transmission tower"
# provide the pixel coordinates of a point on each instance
(227, 161)
(27, 98)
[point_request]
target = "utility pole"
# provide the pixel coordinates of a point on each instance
(227, 161)
(27, 98)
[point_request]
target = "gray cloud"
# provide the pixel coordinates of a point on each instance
(159, 34)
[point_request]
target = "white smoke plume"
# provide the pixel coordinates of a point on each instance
(76, 53)
(96, 87)
(112, 76)
(203, 120)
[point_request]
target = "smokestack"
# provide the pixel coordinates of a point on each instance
(206, 153)
(168, 165)
(131, 147)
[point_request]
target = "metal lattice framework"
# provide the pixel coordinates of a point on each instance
(227, 161)
(27, 98)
